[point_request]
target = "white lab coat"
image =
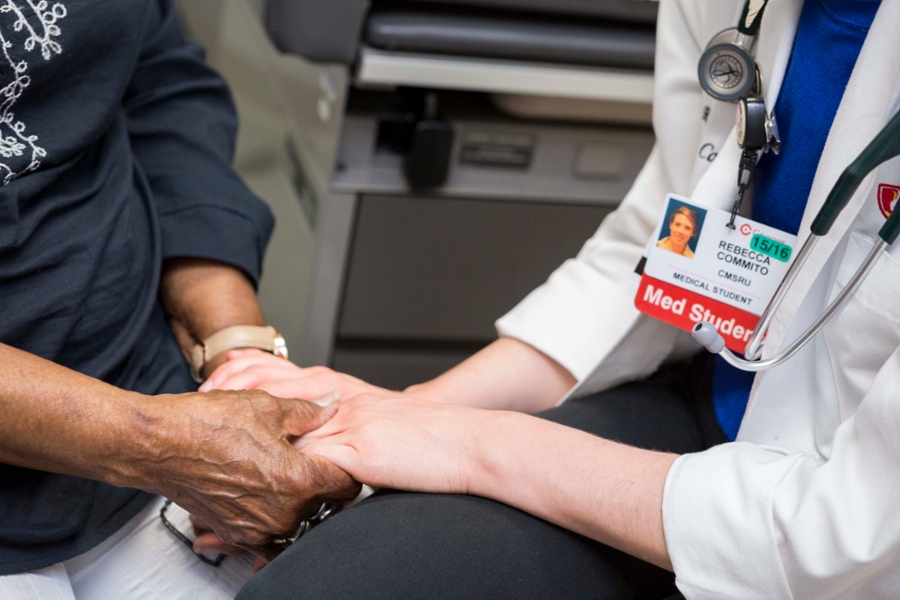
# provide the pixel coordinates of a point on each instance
(806, 504)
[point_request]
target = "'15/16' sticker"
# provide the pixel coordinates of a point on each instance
(771, 247)
(696, 269)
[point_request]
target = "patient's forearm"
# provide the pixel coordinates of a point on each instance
(54, 419)
(508, 375)
(604, 490)
(223, 455)
(203, 296)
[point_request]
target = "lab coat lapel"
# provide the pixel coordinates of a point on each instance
(868, 103)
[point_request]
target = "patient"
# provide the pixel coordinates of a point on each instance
(127, 241)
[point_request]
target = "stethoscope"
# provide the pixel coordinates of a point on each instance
(735, 44)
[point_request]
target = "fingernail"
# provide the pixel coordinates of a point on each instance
(201, 549)
(328, 399)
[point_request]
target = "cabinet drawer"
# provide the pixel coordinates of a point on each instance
(445, 269)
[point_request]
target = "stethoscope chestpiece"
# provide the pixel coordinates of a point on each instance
(727, 70)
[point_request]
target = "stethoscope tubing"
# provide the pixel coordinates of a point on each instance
(753, 350)
(835, 305)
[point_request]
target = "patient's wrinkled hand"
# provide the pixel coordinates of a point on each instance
(225, 456)
(258, 370)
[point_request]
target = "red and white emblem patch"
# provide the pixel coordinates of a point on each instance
(887, 198)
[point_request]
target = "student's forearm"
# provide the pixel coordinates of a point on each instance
(507, 375)
(601, 489)
(604, 490)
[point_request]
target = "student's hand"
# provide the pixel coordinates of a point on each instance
(258, 370)
(403, 443)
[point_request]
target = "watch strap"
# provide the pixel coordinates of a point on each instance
(232, 338)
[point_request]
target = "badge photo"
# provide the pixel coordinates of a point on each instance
(680, 230)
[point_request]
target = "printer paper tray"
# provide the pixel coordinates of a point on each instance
(379, 68)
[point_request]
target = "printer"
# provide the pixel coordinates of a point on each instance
(443, 157)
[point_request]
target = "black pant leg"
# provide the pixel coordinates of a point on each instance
(648, 414)
(397, 546)
(402, 546)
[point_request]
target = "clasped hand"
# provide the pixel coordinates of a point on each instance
(382, 438)
(226, 457)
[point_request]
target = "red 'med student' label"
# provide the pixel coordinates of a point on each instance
(684, 309)
(697, 268)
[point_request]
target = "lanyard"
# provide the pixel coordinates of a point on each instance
(751, 17)
(728, 72)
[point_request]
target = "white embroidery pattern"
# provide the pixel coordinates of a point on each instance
(40, 31)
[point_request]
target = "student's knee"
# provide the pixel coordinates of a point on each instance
(401, 546)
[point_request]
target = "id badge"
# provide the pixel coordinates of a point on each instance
(696, 269)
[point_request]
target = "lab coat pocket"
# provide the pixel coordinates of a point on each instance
(866, 331)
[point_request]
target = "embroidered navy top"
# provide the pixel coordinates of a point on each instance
(116, 143)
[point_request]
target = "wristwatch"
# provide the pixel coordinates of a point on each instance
(232, 338)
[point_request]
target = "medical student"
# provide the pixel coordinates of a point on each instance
(792, 495)
(683, 228)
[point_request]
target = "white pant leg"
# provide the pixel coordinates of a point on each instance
(145, 561)
(51, 583)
